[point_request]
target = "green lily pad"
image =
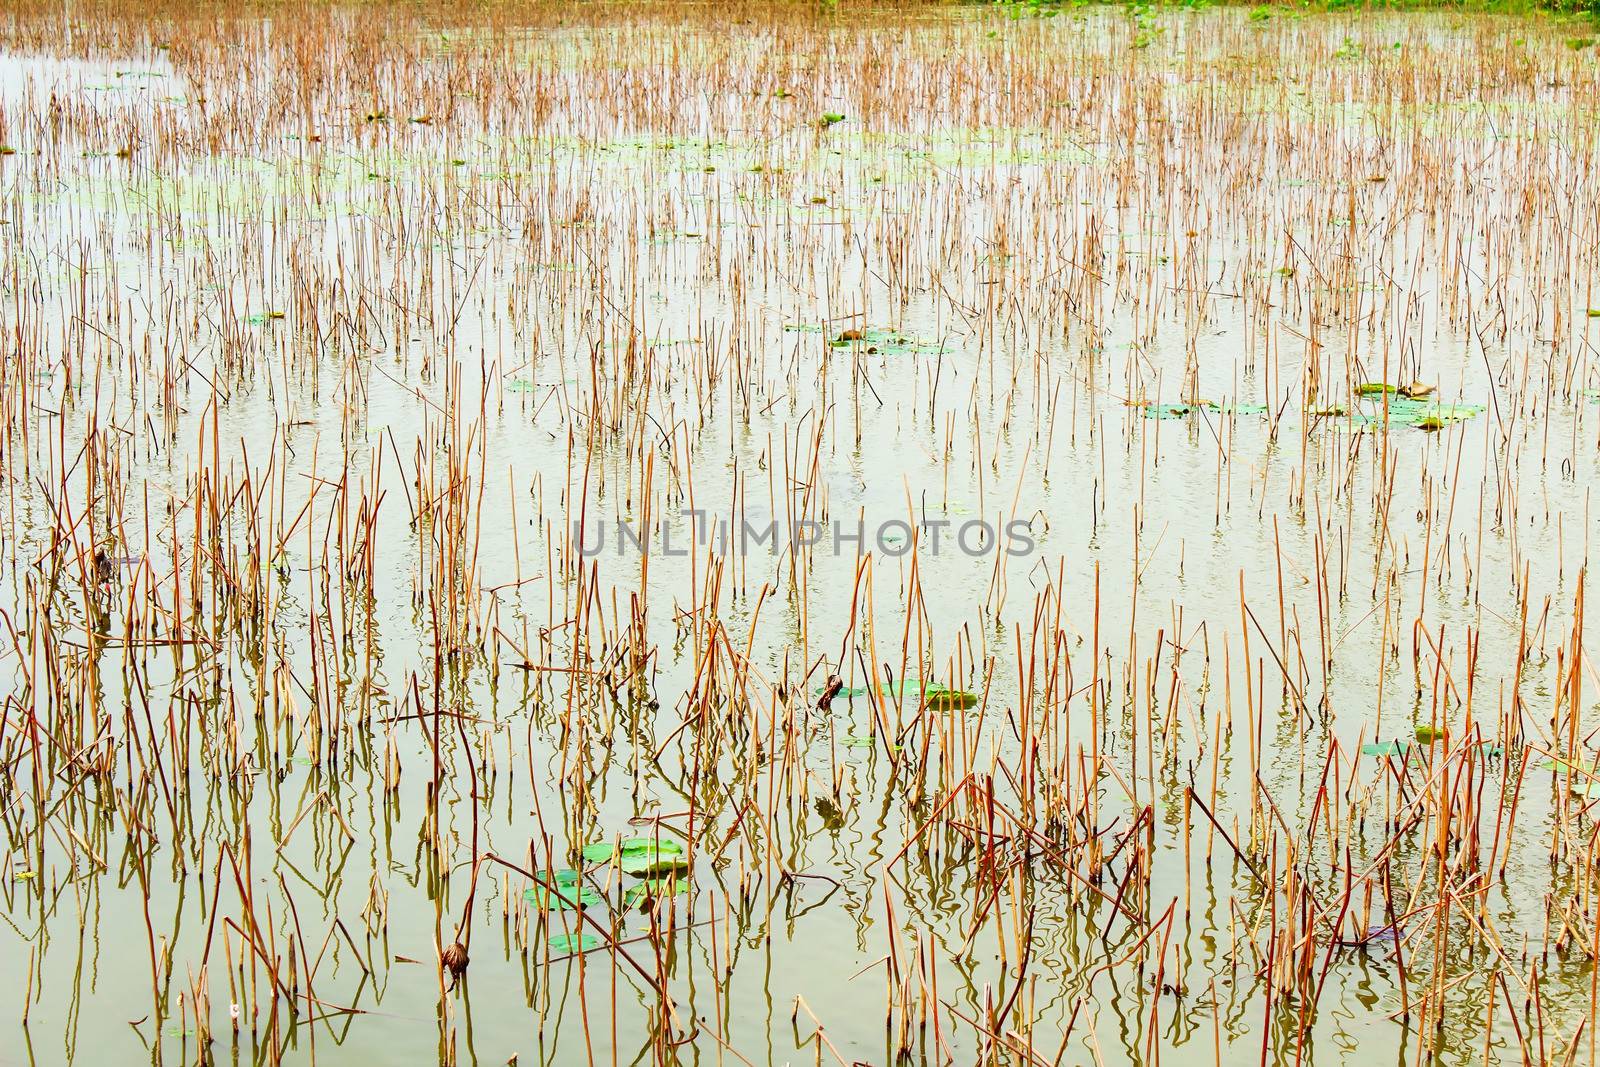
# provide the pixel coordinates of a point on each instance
(640, 856)
(1153, 410)
(1424, 414)
(872, 340)
(655, 887)
(567, 894)
(1169, 411)
(1427, 735)
(653, 861)
(1557, 763)
(857, 741)
(949, 700)
(935, 696)
(563, 944)
(1384, 748)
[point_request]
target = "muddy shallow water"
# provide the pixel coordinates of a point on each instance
(1259, 728)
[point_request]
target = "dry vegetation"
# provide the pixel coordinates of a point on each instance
(323, 740)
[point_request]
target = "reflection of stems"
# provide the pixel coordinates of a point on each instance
(788, 877)
(625, 941)
(793, 875)
(1237, 851)
(818, 1034)
(1007, 1040)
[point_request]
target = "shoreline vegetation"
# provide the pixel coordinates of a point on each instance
(1298, 8)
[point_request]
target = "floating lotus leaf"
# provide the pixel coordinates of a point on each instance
(873, 340)
(933, 695)
(655, 887)
(1422, 413)
(640, 856)
(566, 894)
(565, 944)
(1152, 410)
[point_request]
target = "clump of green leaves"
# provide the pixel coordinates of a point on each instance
(1146, 29)
(642, 857)
(1421, 413)
(649, 890)
(1031, 8)
(564, 891)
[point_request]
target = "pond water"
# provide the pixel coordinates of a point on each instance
(794, 535)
